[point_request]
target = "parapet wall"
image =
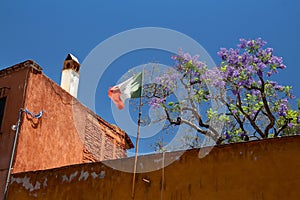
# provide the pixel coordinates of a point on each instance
(257, 170)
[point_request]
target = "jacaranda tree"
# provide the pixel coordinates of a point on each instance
(254, 106)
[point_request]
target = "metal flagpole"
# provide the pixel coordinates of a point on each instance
(136, 148)
(137, 141)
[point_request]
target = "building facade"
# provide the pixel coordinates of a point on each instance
(53, 128)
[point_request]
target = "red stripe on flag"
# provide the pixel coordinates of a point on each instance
(115, 94)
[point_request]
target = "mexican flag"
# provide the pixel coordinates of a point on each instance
(131, 88)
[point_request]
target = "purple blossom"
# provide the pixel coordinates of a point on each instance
(233, 56)
(261, 66)
(243, 43)
(281, 66)
(187, 56)
(235, 92)
(256, 60)
(250, 43)
(243, 135)
(227, 136)
(254, 92)
(168, 80)
(298, 120)
(273, 83)
(174, 57)
(278, 87)
(244, 57)
(223, 53)
(244, 83)
(259, 73)
(156, 102)
(231, 72)
(200, 65)
(250, 68)
(282, 109)
(290, 125)
(284, 101)
(215, 76)
(260, 43)
(195, 58)
(269, 73)
(276, 60)
(269, 50)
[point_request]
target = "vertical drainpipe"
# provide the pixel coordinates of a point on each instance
(17, 130)
(13, 153)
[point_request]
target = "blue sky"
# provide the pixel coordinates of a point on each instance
(45, 31)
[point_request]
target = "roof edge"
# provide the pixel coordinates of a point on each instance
(17, 67)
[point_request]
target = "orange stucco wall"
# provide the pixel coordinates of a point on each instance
(52, 140)
(67, 133)
(258, 170)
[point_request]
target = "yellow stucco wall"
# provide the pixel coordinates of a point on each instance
(258, 170)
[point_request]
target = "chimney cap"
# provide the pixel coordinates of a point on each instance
(72, 57)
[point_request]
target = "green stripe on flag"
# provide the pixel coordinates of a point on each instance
(136, 86)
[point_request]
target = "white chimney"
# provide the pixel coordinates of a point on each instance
(70, 75)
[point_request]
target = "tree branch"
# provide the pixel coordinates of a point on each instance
(267, 108)
(252, 122)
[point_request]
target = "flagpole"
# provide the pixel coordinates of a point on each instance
(136, 149)
(137, 141)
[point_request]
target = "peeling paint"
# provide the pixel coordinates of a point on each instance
(141, 165)
(37, 186)
(64, 178)
(94, 175)
(83, 175)
(26, 183)
(45, 183)
(100, 175)
(72, 176)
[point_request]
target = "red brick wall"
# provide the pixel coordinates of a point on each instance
(92, 141)
(119, 151)
(108, 147)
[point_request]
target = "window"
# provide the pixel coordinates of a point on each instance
(2, 107)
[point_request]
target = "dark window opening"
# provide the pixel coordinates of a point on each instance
(2, 107)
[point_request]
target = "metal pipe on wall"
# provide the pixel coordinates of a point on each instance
(12, 154)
